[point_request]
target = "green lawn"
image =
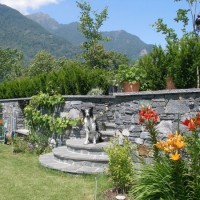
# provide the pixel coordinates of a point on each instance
(23, 178)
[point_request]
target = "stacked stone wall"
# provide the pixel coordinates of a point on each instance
(120, 111)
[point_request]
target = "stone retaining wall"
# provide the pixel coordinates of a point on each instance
(119, 111)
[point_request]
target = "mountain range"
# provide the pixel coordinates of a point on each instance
(36, 32)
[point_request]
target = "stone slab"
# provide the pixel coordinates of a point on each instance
(47, 160)
(79, 144)
(63, 153)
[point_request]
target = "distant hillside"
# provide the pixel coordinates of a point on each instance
(17, 31)
(45, 21)
(121, 41)
(129, 44)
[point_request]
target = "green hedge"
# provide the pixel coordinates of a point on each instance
(69, 80)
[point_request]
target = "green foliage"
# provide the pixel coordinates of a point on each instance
(120, 166)
(46, 102)
(43, 62)
(89, 26)
(72, 78)
(115, 59)
(33, 143)
(93, 52)
(41, 117)
(175, 173)
(193, 150)
(168, 32)
(178, 60)
(162, 180)
(10, 64)
(182, 16)
(154, 64)
(181, 53)
(131, 74)
(185, 63)
(19, 145)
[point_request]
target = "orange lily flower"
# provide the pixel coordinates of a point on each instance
(175, 156)
(180, 144)
(172, 145)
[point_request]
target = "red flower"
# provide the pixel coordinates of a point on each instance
(190, 123)
(186, 122)
(148, 114)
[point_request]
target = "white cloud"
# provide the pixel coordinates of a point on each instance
(23, 5)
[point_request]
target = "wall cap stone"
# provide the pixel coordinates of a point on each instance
(174, 91)
(115, 95)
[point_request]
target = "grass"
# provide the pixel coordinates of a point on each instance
(22, 177)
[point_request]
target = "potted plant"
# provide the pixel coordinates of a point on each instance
(130, 77)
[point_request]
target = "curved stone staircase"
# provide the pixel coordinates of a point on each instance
(77, 158)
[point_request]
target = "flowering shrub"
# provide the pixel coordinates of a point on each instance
(175, 173)
(193, 152)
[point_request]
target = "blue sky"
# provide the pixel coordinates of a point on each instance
(134, 16)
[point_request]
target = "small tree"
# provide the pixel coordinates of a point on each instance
(89, 27)
(43, 62)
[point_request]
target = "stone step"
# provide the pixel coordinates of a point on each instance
(78, 146)
(63, 154)
(109, 133)
(48, 160)
(77, 157)
(109, 126)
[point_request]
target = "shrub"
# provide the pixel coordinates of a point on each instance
(33, 143)
(71, 79)
(19, 145)
(41, 119)
(120, 166)
(174, 174)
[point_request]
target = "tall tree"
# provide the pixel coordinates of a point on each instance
(90, 23)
